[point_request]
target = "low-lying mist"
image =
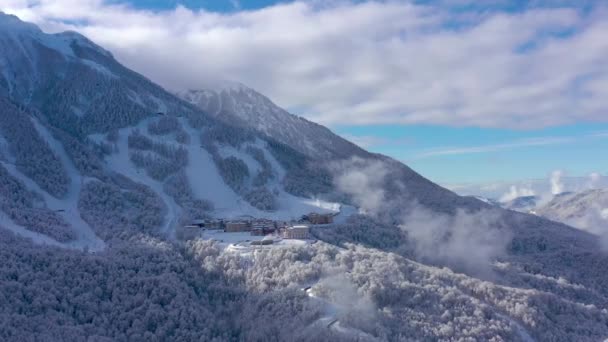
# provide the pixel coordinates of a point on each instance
(467, 240)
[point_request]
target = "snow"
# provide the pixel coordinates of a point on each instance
(229, 151)
(38, 238)
(236, 103)
(208, 184)
(240, 242)
(160, 105)
(330, 319)
(69, 204)
(71, 36)
(119, 162)
(346, 211)
(99, 68)
(13, 27)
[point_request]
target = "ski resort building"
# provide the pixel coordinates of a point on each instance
(207, 224)
(301, 232)
(315, 218)
(263, 227)
(237, 226)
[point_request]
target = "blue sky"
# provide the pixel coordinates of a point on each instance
(460, 90)
(471, 155)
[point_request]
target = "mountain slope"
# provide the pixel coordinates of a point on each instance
(119, 132)
(237, 104)
(587, 210)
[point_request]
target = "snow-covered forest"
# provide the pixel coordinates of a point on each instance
(145, 289)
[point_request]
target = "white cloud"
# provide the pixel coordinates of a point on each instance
(497, 147)
(369, 141)
(557, 185)
(595, 179)
(465, 241)
(363, 181)
(365, 62)
(507, 146)
(515, 192)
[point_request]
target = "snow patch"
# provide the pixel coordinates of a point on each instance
(160, 105)
(99, 68)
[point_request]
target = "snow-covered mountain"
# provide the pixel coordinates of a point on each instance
(94, 156)
(587, 210)
(237, 104)
(542, 187)
(523, 203)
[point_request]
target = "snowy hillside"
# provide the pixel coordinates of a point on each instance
(237, 104)
(523, 203)
(99, 167)
(587, 210)
(103, 128)
(556, 183)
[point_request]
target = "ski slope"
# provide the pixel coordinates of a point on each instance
(120, 163)
(207, 183)
(69, 204)
(66, 207)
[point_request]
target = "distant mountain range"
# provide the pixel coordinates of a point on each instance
(509, 190)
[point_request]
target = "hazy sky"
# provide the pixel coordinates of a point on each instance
(461, 92)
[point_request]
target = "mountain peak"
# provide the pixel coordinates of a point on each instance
(75, 37)
(16, 30)
(237, 104)
(12, 23)
(226, 85)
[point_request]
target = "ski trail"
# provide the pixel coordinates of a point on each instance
(207, 183)
(37, 238)
(121, 163)
(52, 203)
(68, 205)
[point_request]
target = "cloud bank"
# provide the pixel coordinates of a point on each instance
(363, 62)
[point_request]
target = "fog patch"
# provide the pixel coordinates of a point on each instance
(594, 180)
(557, 184)
(465, 241)
(594, 221)
(345, 302)
(515, 192)
(363, 181)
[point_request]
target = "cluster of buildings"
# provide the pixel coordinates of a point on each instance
(258, 226)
